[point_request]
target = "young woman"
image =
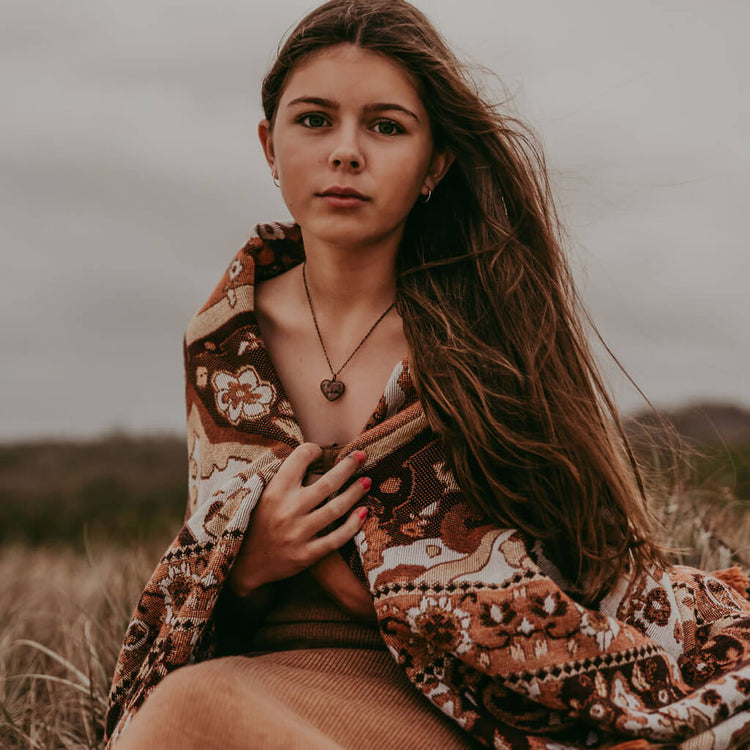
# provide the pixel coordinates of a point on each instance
(409, 488)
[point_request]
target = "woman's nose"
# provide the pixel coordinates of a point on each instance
(347, 154)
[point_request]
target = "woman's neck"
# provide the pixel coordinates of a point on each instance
(349, 286)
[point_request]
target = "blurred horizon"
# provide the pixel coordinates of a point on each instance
(130, 175)
(702, 421)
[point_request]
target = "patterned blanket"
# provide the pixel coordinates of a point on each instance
(476, 615)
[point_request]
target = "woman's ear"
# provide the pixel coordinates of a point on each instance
(266, 141)
(440, 164)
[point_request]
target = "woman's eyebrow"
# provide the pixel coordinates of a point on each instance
(330, 104)
(327, 103)
(382, 107)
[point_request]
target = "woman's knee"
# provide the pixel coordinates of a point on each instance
(190, 687)
(190, 704)
(217, 704)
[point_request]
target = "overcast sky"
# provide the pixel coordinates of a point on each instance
(130, 175)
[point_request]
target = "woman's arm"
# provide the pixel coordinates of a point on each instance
(338, 581)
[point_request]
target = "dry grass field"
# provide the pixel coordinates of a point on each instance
(65, 602)
(63, 617)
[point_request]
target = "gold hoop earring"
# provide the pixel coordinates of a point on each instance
(426, 198)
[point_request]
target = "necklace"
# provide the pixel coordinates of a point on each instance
(333, 388)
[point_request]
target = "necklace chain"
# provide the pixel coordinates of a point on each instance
(333, 393)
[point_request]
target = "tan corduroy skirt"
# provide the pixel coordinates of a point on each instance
(313, 678)
(307, 698)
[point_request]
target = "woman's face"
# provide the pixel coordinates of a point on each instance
(352, 146)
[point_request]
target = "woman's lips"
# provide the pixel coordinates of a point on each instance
(343, 198)
(343, 201)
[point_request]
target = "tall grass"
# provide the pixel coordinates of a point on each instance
(63, 617)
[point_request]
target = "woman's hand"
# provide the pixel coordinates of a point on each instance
(336, 578)
(281, 539)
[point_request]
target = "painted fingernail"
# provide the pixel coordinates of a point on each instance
(362, 513)
(360, 456)
(366, 482)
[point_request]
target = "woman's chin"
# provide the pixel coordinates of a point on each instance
(348, 232)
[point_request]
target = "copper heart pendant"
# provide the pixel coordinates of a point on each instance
(332, 389)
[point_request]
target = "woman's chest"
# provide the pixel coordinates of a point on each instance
(363, 366)
(302, 370)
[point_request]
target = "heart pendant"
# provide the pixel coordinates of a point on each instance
(332, 389)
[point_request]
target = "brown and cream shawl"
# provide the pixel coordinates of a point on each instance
(476, 616)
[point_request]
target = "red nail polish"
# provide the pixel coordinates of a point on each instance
(366, 482)
(362, 513)
(360, 456)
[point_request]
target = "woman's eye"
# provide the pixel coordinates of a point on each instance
(388, 127)
(313, 121)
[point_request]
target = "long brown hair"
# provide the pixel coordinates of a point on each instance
(498, 352)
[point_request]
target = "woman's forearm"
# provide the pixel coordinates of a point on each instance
(338, 581)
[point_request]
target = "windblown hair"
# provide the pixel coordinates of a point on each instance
(498, 351)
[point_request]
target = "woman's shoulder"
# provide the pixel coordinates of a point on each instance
(271, 249)
(274, 248)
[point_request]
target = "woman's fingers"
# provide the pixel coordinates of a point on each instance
(324, 545)
(337, 506)
(294, 468)
(330, 482)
